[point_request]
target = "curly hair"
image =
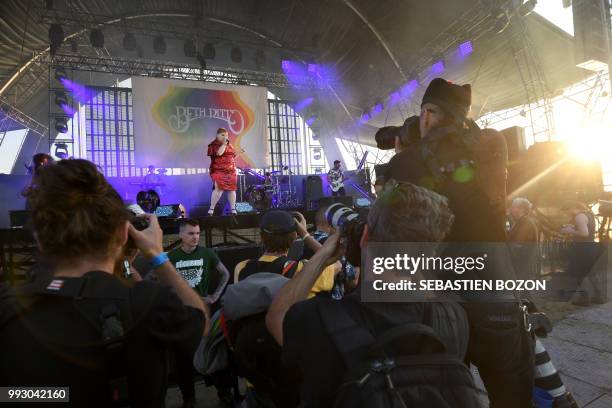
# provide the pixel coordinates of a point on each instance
(405, 212)
(75, 212)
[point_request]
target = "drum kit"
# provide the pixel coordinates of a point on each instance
(277, 190)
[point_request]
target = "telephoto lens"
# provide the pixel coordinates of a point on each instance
(385, 137)
(350, 224)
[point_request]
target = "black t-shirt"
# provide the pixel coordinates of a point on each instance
(307, 343)
(53, 344)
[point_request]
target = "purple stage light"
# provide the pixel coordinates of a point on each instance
(409, 88)
(303, 104)
(311, 120)
(378, 108)
(80, 92)
(465, 48)
(394, 98)
(365, 116)
(437, 67)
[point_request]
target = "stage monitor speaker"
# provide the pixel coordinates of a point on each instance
(515, 140)
(313, 191)
(327, 201)
(170, 211)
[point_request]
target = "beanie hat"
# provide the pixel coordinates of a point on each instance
(453, 99)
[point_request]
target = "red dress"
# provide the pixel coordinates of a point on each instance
(223, 168)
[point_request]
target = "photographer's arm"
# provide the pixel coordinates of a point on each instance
(298, 288)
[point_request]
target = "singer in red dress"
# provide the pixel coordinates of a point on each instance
(222, 170)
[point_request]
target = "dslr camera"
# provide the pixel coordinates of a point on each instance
(385, 136)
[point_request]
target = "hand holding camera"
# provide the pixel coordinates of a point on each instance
(300, 223)
(148, 240)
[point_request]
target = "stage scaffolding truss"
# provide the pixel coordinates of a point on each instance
(164, 69)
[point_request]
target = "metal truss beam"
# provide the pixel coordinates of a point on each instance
(22, 118)
(164, 69)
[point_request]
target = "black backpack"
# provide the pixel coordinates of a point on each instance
(110, 311)
(257, 357)
(405, 366)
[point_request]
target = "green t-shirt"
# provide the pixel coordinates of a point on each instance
(195, 267)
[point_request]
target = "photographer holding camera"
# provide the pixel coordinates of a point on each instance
(446, 152)
(309, 330)
(82, 327)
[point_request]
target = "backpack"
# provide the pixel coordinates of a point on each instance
(256, 355)
(114, 321)
(405, 366)
(282, 265)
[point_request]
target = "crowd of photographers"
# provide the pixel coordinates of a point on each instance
(292, 322)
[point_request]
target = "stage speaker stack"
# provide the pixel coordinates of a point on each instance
(515, 140)
(312, 191)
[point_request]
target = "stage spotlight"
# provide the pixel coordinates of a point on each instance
(61, 150)
(61, 125)
(56, 37)
(189, 48)
(60, 74)
(527, 8)
(260, 59)
(236, 54)
(61, 99)
(129, 42)
(466, 48)
(159, 45)
(209, 51)
(438, 67)
(96, 38)
(365, 116)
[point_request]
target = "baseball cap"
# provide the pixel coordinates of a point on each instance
(277, 222)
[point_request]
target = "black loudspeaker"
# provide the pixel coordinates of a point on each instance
(327, 201)
(515, 140)
(313, 191)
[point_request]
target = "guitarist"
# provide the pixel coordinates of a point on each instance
(335, 178)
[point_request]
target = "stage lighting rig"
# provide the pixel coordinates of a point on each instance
(96, 38)
(236, 54)
(61, 125)
(209, 51)
(129, 42)
(189, 48)
(56, 37)
(61, 99)
(60, 74)
(159, 45)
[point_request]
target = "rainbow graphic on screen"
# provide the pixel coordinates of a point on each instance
(192, 116)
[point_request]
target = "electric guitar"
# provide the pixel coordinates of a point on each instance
(336, 185)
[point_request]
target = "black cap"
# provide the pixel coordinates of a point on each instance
(336, 161)
(277, 222)
(454, 99)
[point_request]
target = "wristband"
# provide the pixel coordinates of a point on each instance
(159, 260)
(305, 236)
